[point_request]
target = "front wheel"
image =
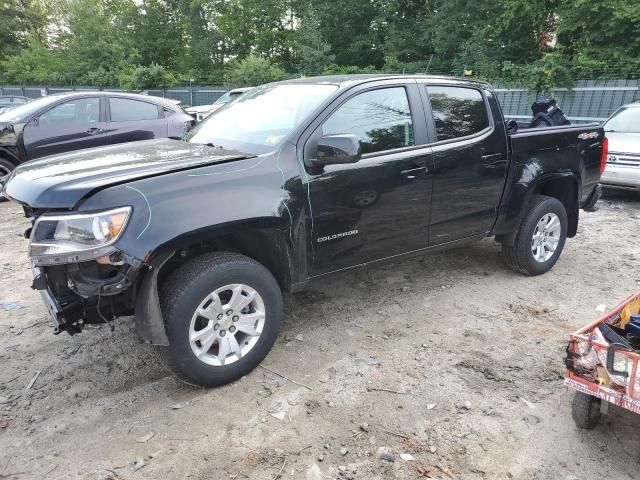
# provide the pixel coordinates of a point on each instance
(540, 238)
(222, 314)
(6, 167)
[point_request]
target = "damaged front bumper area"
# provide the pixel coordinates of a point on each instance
(91, 292)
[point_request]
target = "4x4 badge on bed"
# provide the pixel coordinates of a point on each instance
(587, 136)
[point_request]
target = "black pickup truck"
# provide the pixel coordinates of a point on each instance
(294, 181)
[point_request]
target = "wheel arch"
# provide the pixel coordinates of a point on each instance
(6, 154)
(266, 241)
(562, 185)
(566, 189)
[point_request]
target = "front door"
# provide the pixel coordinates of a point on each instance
(378, 207)
(470, 161)
(71, 125)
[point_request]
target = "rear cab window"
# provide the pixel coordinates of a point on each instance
(457, 111)
(128, 110)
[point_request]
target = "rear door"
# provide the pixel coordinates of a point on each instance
(470, 154)
(130, 120)
(378, 207)
(71, 125)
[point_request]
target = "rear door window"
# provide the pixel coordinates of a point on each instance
(457, 111)
(127, 110)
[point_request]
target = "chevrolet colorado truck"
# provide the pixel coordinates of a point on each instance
(296, 180)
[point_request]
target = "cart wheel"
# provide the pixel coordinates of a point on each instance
(586, 410)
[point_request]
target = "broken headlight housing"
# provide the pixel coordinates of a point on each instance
(77, 237)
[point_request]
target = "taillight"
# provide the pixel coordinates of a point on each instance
(605, 154)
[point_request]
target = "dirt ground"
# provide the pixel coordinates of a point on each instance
(451, 359)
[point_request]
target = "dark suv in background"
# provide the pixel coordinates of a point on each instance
(72, 121)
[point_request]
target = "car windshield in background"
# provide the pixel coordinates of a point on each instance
(261, 119)
(223, 99)
(23, 112)
(626, 120)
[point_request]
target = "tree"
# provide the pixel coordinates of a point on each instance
(98, 36)
(313, 52)
(36, 64)
(253, 71)
(600, 34)
(20, 20)
(353, 30)
(140, 77)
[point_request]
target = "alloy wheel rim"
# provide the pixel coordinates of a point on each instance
(227, 324)
(546, 237)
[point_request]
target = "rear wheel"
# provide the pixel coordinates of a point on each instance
(540, 238)
(222, 314)
(590, 206)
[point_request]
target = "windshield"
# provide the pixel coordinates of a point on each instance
(626, 120)
(23, 112)
(222, 100)
(259, 120)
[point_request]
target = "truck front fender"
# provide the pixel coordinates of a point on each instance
(149, 322)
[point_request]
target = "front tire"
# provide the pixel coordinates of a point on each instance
(540, 238)
(6, 167)
(222, 313)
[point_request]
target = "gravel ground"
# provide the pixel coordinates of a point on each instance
(446, 366)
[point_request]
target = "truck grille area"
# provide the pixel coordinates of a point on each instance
(623, 159)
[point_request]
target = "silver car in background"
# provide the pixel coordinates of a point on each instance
(623, 162)
(201, 111)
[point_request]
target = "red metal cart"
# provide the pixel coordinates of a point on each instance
(602, 370)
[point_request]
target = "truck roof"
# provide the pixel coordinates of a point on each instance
(355, 79)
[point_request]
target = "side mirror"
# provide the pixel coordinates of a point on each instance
(338, 149)
(34, 122)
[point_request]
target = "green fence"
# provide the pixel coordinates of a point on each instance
(587, 101)
(187, 95)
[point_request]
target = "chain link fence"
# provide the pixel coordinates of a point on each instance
(587, 101)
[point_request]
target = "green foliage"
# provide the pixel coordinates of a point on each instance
(140, 77)
(36, 64)
(19, 21)
(314, 54)
(137, 43)
(334, 69)
(254, 71)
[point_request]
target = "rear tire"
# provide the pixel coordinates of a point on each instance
(531, 252)
(208, 343)
(590, 206)
(585, 411)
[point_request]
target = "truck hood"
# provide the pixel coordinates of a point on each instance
(61, 181)
(620, 142)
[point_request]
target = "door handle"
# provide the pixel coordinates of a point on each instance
(94, 130)
(491, 157)
(412, 170)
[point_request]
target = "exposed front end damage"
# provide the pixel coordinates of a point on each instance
(91, 292)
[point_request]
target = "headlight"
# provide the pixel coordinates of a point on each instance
(72, 238)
